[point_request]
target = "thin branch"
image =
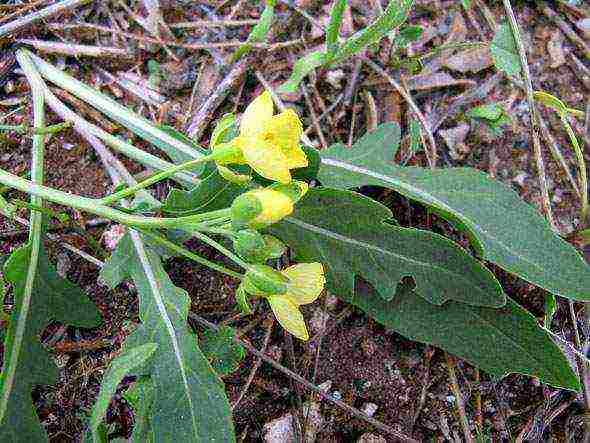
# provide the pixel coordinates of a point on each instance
(534, 118)
(39, 15)
(458, 399)
(408, 98)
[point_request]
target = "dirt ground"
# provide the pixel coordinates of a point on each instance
(366, 365)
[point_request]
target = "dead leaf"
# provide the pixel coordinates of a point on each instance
(425, 82)
(472, 60)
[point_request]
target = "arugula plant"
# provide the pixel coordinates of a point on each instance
(252, 194)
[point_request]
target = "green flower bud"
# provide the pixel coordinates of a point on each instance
(294, 190)
(260, 208)
(251, 246)
(264, 280)
(242, 300)
(275, 247)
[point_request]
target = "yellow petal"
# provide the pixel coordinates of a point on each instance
(306, 282)
(265, 159)
(285, 130)
(289, 316)
(296, 157)
(275, 206)
(256, 115)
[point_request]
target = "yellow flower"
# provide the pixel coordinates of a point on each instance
(260, 208)
(268, 143)
(285, 291)
(306, 283)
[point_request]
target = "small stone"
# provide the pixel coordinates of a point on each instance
(112, 236)
(325, 386)
(371, 438)
(450, 398)
(335, 77)
(584, 26)
(555, 50)
(455, 140)
(315, 421)
(318, 320)
(64, 264)
(336, 395)
(369, 409)
(280, 430)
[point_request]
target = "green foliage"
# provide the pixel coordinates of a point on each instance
(118, 369)
(395, 14)
(502, 228)
(39, 297)
(141, 397)
(189, 400)
(222, 351)
(382, 254)
(504, 51)
(492, 115)
(259, 32)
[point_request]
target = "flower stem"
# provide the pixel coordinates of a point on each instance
(94, 206)
(204, 238)
(191, 255)
(113, 198)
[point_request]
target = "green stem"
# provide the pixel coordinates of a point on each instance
(191, 255)
(581, 166)
(113, 198)
(221, 249)
(23, 129)
(93, 206)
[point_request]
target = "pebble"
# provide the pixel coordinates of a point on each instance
(279, 430)
(325, 386)
(371, 438)
(369, 409)
(64, 264)
(336, 395)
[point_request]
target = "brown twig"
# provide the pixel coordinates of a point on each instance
(534, 119)
(199, 121)
(49, 11)
(212, 24)
(458, 399)
(314, 117)
(193, 46)
(75, 49)
(406, 95)
(565, 28)
(357, 413)
(324, 114)
(256, 366)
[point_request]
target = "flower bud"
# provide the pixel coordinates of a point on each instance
(264, 280)
(294, 190)
(250, 245)
(260, 208)
(275, 247)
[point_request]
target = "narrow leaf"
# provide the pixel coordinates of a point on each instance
(502, 227)
(190, 404)
(259, 32)
(350, 234)
(141, 398)
(118, 369)
(302, 67)
(333, 31)
(395, 14)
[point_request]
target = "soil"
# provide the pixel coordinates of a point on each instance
(359, 360)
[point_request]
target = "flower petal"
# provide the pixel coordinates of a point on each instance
(306, 282)
(285, 130)
(266, 159)
(256, 115)
(289, 316)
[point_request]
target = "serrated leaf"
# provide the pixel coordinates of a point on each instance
(39, 296)
(350, 234)
(222, 351)
(394, 15)
(118, 369)
(498, 341)
(504, 51)
(190, 404)
(502, 227)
